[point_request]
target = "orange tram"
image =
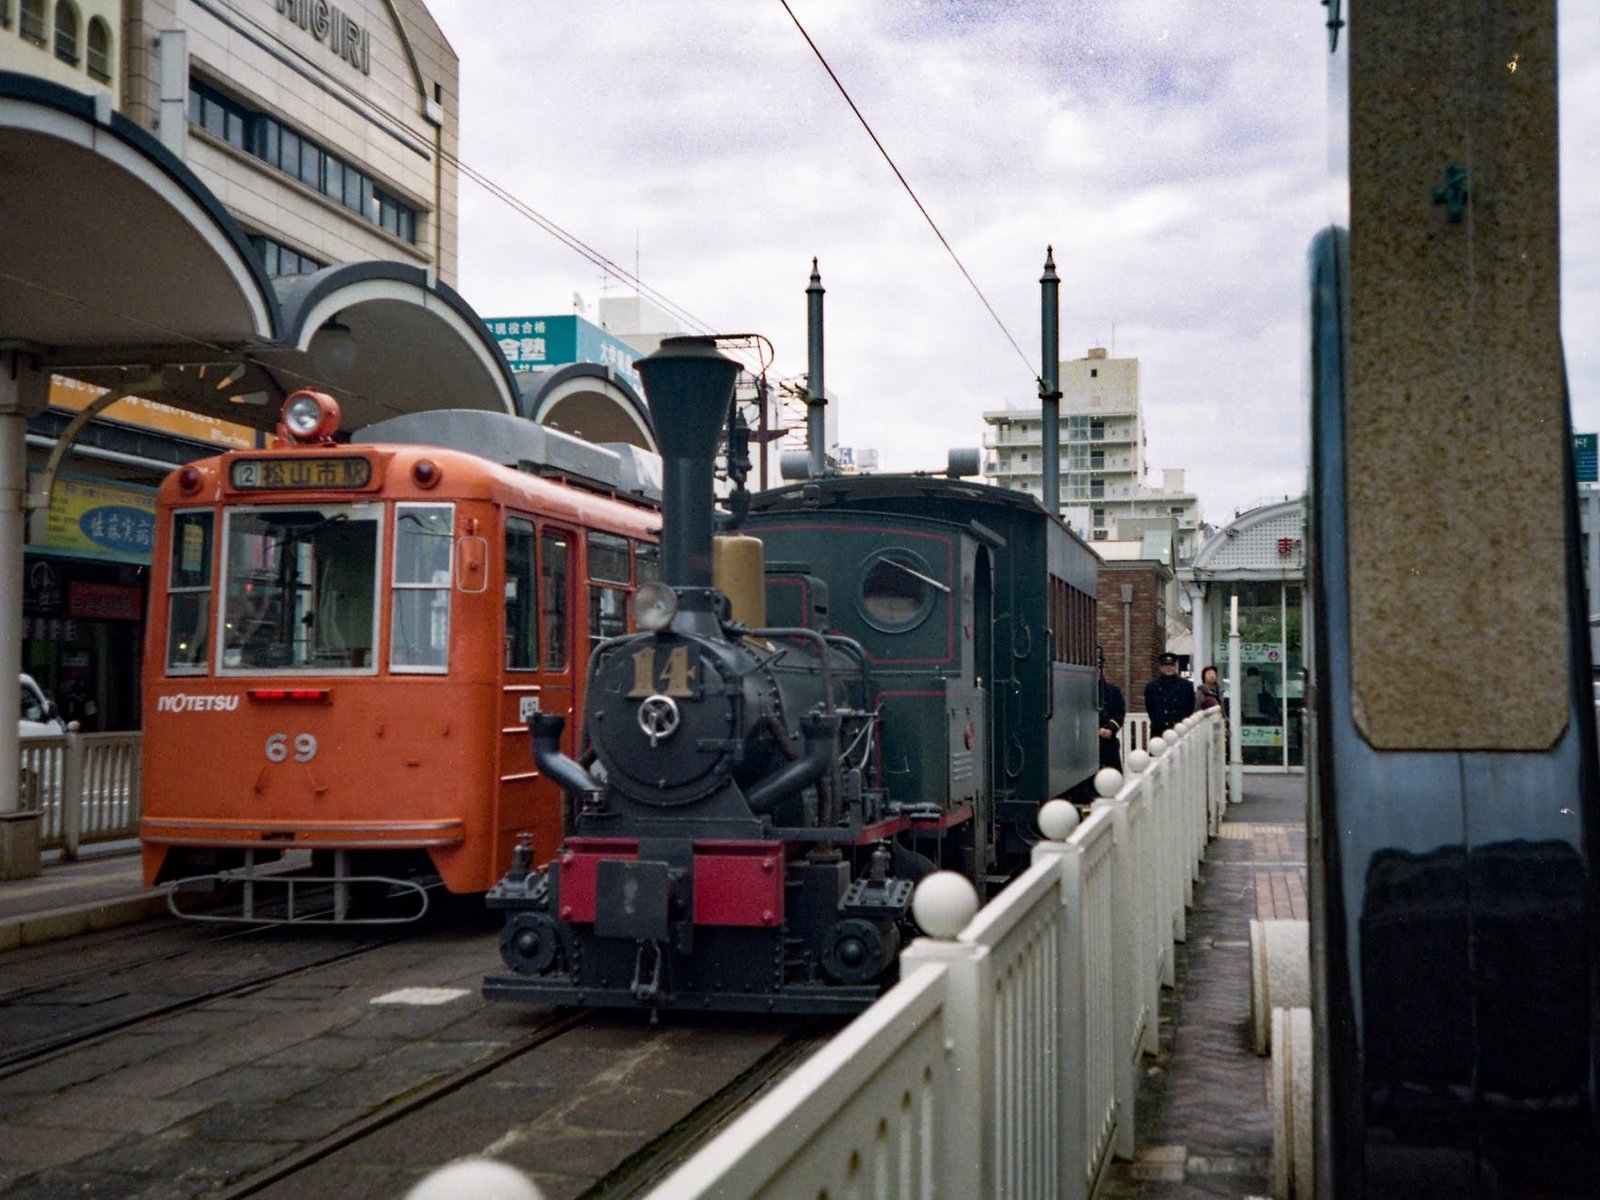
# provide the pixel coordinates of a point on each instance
(346, 642)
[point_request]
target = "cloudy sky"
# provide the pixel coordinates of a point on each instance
(1173, 153)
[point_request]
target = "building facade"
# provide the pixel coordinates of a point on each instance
(329, 135)
(1103, 489)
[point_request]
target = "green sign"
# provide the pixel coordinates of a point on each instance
(1586, 455)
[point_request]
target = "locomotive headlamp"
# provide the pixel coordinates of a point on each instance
(311, 416)
(654, 606)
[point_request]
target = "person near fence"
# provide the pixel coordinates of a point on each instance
(1209, 693)
(1113, 712)
(1167, 698)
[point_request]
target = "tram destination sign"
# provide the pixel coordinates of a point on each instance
(311, 474)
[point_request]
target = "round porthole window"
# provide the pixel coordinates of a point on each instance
(898, 591)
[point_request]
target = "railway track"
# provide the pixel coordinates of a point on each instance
(280, 1065)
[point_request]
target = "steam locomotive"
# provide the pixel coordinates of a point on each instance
(873, 678)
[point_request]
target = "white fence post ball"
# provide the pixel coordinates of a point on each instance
(943, 904)
(1138, 761)
(475, 1179)
(1158, 746)
(1058, 820)
(1107, 781)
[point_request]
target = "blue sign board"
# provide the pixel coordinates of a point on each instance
(530, 343)
(1586, 454)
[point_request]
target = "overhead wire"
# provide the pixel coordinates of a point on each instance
(910, 191)
(578, 246)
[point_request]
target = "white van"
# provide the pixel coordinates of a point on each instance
(39, 715)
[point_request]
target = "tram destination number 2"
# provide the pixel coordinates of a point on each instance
(279, 747)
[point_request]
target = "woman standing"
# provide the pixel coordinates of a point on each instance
(1208, 694)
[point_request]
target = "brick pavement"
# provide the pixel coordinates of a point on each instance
(1204, 1117)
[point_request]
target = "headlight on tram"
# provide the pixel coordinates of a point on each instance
(654, 606)
(310, 416)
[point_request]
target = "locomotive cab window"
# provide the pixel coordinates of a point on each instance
(301, 588)
(898, 590)
(419, 631)
(189, 592)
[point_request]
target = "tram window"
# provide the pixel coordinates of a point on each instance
(522, 637)
(301, 588)
(553, 589)
(608, 613)
(419, 628)
(646, 562)
(189, 592)
(608, 558)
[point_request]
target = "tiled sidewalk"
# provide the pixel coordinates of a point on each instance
(1204, 1121)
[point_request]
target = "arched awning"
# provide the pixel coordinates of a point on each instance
(387, 339)
(120, 268)
(589, 401)
(113, 256)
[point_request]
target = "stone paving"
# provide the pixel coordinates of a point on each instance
(1204, 1117)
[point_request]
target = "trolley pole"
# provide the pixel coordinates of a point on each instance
(1235, 709)
(1050, 381)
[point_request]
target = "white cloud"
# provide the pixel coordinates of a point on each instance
(1173, 153)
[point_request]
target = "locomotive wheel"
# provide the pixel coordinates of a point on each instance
(858, 951)
(530, 943)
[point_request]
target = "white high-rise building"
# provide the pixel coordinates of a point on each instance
(1102, 456)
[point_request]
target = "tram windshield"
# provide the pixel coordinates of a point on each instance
(302, 588)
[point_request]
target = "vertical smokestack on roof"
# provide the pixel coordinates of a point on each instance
(1050, 381)
(816, 397)
(689, 387)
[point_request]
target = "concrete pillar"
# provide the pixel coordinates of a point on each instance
(21, 393)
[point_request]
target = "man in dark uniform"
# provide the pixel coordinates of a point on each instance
(1113, 712)
(1167, 698)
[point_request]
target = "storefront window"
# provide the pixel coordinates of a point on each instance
(1272, 682)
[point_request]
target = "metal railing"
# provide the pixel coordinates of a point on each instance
(85, 787)
(1004, 1063)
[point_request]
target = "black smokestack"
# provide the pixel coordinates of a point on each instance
(689, 387)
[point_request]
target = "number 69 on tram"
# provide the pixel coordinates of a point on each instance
(345, 644)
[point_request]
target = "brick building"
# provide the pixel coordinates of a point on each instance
(1132, 621)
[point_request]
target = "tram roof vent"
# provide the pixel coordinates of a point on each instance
(517, 442)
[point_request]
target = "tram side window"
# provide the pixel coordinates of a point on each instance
(522, 636)
(419, 631)
(189, 592)
(647, 562)
(608, 606)
(554, 581)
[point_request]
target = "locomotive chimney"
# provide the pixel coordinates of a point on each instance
(1050, 381)
(689, 387)
(816, 397)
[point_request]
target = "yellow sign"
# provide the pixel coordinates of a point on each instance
(95, 519)
(147, 414)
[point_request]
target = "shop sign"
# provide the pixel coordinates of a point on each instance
(96, 520)
(347, 38)
(530, 343)
(149, 414)
(41, 592)
(1260, 652)
(1261, 735)
(103, 601)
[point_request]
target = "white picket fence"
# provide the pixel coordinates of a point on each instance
(85, 787)
(1004, 1063)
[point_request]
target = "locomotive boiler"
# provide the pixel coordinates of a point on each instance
(758, 798)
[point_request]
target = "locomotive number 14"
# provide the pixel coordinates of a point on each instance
(675, 677)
